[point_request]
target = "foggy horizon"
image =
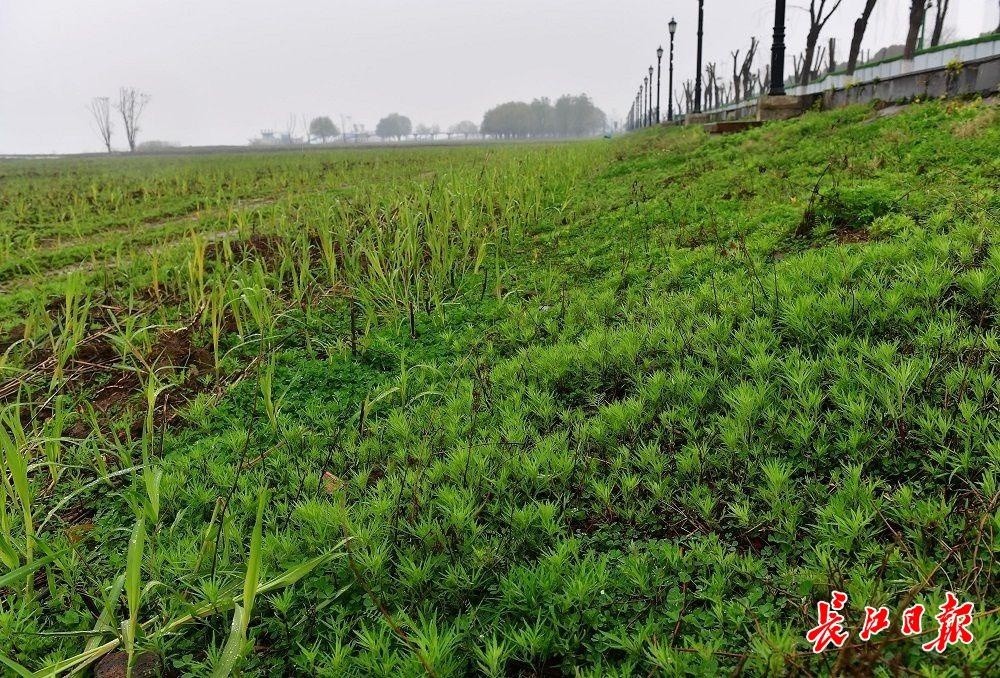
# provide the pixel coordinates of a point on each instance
(218, 71)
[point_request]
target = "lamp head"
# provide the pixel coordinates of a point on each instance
(672, 26)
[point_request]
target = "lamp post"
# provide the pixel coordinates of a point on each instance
(645, 106)
(697, 75)
(659, 59)
(670, 79)
(650, 116)
(777, 88)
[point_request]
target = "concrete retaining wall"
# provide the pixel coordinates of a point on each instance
(928, 62)
(977, 77)
(962, 69)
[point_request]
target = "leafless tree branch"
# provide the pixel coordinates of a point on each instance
(131, 103)
(100, 110)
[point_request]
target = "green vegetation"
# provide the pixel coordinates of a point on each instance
(394, 126)
(625, 407)
(569, 116)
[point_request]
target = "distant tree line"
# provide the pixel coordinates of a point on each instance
(570, 116)
(465, 128)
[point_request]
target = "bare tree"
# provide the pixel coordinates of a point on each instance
(764, 79)
(917, 10)
(860, 26)
(797, 61)
(305, 126)
(131, 103)
(710, 89)
(290, 128)
(100, 109)
(736, 74)
(832, 64)
(817, 20)
(745, 76)
(818, 59)
(940, 10)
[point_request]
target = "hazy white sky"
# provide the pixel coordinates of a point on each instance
(220, 70)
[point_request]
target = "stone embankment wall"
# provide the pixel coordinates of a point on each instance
(960, 69)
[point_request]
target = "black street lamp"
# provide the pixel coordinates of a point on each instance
(659, 58)
(778, 51)
(697, 75)
(645, 108)
(650, 116)
(670, 80)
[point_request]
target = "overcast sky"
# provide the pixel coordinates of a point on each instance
(218, 71)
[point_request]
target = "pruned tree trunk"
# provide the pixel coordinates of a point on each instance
(818, 59)
(832, 63)
(817, 20)
(736, 74)
(917, 10)
(710, 90)
(807, 57)
(860, 26)
(940, 10)
(746, 76)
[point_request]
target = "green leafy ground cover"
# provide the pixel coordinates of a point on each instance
(614, 408)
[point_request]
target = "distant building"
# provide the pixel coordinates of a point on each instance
(268, 137)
